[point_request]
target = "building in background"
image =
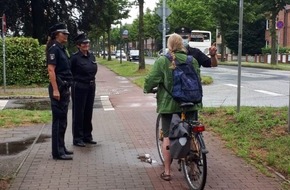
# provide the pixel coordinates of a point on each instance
(283, 33)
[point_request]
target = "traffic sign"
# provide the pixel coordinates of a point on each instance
(280, 24)
(167, 27)
(160, 11)
(125, 34)
(4, 23)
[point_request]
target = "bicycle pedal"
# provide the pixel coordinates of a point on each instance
(204, 151)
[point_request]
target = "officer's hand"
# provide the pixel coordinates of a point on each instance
(56, 95)
(213, 50)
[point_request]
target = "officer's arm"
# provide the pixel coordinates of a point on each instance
(213, 55)
(52, 79)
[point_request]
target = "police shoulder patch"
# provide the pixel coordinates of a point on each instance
(52, 56)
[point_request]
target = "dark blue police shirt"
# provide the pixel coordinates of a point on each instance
(203, 60)
(83, 68)
(57, 56)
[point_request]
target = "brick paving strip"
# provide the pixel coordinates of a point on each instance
(122, 134)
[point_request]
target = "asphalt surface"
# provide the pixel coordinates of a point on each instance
(124, 127)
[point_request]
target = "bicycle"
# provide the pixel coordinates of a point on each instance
(194, 165)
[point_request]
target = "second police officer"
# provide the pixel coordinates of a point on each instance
(84, 69)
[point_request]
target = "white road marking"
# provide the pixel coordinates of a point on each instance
(269, 93)
(3, 104)
(106, 103)
(232, 85)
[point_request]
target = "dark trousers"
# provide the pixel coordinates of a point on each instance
(59, 120)
(83, 97)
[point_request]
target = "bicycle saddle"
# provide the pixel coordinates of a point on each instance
(186, 104)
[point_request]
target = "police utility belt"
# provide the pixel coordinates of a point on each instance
(91, 82)
(63, 84)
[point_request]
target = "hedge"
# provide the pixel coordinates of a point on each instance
(25, 62)
(281, 50)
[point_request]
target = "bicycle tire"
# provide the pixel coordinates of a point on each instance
(194, 166)
(159, 138)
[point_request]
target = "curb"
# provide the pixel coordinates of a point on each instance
(22, 97)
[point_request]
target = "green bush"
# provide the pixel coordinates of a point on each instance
(25, 61)
(281, 50)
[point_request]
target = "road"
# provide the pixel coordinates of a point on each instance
(259, 87)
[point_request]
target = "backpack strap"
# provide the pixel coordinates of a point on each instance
(189, 59)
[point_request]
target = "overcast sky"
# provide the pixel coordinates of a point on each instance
(151, 4)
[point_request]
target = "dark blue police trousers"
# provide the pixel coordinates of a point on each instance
(59, 120)
(83, 97)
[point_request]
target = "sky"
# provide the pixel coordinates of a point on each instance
(151, 4)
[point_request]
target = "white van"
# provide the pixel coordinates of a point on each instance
(133, 55)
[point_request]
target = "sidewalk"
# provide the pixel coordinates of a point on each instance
(124, 128)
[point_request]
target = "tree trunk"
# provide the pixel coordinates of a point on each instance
(37, 14)
(274, 39)
(141, 35)
(109, 44)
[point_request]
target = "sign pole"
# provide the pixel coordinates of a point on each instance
(240, 54)
(164, 26)
(278, 46)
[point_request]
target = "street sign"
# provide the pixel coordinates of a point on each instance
(160, 11)
(280, 24)
(125, 34)
(167, 27)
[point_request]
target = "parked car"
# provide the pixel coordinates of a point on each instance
(104, 52)
(160, 52)
(120, 53)
(133, 55)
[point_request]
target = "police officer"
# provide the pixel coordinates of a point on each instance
(60, 78)
(202, 59)
(84, 69)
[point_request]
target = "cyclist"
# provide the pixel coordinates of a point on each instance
(161, 76)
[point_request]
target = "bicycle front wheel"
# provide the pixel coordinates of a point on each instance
(194, 166)
(159, 137)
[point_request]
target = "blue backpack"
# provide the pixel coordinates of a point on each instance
(186, 83)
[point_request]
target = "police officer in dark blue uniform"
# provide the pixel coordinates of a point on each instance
(60, 78)
(84, 69)
(203, 60)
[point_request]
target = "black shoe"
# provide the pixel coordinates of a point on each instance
(90, 142)
(80, 144)
(63, 157)
(68, 152)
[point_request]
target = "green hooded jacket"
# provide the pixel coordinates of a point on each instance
(161, 73)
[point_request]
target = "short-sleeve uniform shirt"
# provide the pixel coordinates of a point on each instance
(202, 59)
(57, 56)
(83, 67)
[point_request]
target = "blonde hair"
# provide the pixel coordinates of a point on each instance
(174, 44)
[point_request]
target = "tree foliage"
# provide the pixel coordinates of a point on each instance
(193, 14)
(33, 17)
(253, 38)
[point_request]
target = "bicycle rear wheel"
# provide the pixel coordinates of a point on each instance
(159, 137)
(195, 166)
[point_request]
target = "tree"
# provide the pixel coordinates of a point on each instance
(272, 8)
(193, 14)
(151, 22)
(141, 35)
(253, 37)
